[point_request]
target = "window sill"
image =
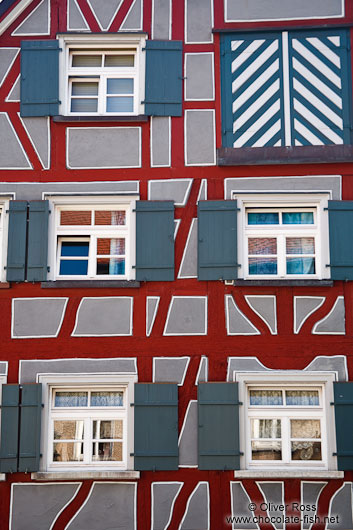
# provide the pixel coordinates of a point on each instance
(2, 477)
(288, 474)
(316, 154)
(94, 284)
(85, 475)
(283, 283)
(5, 285)
(65, 119)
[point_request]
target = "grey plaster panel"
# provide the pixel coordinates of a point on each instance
(242, 10)
(152, 303)
(161, 19)
(103, 147)
(334, 322)
(36, 506)
(200, 137)
(188, 267)
(7, 57)
(133, 20)
(187, 316)
(38, 131)
(310, 497)
(244, 364)
(197, 513)
(37, 317)
(199, 83)
(240, 506)
(164, 495)
(341, 509)
(304, 306)
(37, 23)
(3, 367)
(110, 506)
(76, 20)
(265, 307)
(198, 21)
(203, 191)
(335, 363)
(273, 493)
(188, 448)
(13, 156)
(14, 94)
(170, 370)
(202, 374)
(104, 316)
(170, 190)
(105, 11)
(160, 141)
(30, 369)
(237, 322)
(283, 184)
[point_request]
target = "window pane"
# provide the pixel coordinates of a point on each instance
(107, 399)
(119, 60)
(76, 267)
(300, 245)
(111, 451)
(68, 452)
(262, 245)
(84, 89)
(302, 397)
(266, 397)
(263, 218)
(86, 61)
(111, 266)
(75, 217)
(305, 429)
(300, 265)
(74, 248)
(107, 429)
(266, 450)
(262, 266)
(120, 104)
(68, 429)
(298, 218)
(110, 217)
(306, 450)
(263, 428)
(111, 246)
(84, 105)
(71, 399)
(120, 86)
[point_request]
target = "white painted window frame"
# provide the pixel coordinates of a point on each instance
(109, 43)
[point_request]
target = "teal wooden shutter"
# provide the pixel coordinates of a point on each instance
(163, 88)
(155, 241)
(37, 257)
(30, 421)
(39, 78)
(217, 240)
(341, 241)
(343, 395)
(218, 434)
(156, 426)
(16, 246)
(9, 428)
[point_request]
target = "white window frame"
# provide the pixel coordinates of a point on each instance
(316, 201)
(123, 381)
(112, 43)
(59, 233)
(284, 380)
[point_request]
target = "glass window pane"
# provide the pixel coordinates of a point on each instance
(300, 265)
(84, 105)
(307, 398)
(87, 88)
(111, 246)
(68, 452)
(298, 218)
(111, 266)
(305, 428)
(107, 429)
(263, 218)
(265, 428)
(300, 245)
(71, 399)
(306, 450)
(107, 451)
(266, 397)
(110, 217)
(266, 450)
(119, 60)
(120, 104)
(77, 267)
(68, 429)
(262, 245)
(75, 217)
(74, 248)
(86, 61)
(107, 399)
(120, 86)
(262, 266)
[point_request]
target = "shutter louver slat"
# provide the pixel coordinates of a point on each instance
(9, 428)
(37, 257)
(341, 242)
(343, 402)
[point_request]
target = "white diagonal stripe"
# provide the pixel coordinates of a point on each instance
(316, 122)
(324, 109)
(246, 53)
(235, 44)
(315, 61)
(258, 124)
(266, 137)
(278, 144)
(261, 59)
(316, 82)
(335, 40)
(325, 50)
(308, 135)
(250, 111)
(259, 81)
(298, 143)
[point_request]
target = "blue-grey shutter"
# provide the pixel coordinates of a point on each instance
(39, 78)
(218, 434)
(155, 241)
(16, 247)
(9, 428)
(156, 426)
(37, 254)
(343, 395)
(30, 421)
(341, 241)
(163, 88)
(217, 240)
